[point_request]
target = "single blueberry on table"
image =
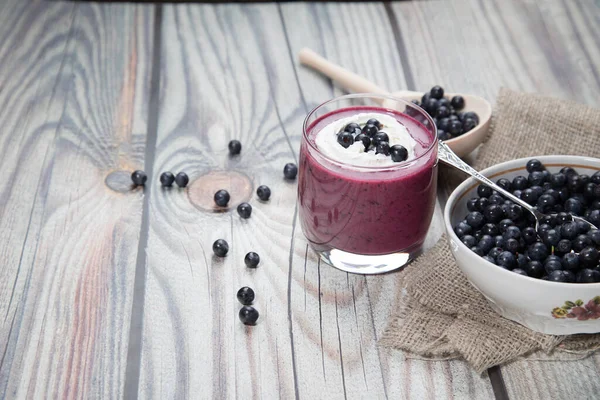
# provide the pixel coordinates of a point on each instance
(251, 260)
(248, 315)
(181, 179)
(245, 295)
(290, 171)
(263, 192)
(220, 247)
(398, 153)
(235, 147)
(167, 179)
(244, 210)
(222, 197)
(139, 178)
(345, 139)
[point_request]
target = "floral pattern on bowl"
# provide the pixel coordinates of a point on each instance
(578, 310)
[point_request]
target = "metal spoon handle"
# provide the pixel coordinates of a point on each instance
(447, 156)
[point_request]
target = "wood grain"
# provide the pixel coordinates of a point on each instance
(72, 109)
(547, 47)
(318, 329)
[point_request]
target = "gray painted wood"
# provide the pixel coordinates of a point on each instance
(548, 47)
(72, 110)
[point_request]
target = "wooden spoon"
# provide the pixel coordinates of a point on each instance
(461, 145)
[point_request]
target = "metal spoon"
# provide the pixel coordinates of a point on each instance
(447, 156)
(461, 145)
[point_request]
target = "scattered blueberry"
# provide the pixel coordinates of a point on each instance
(245, 295)
(167, 179)
(290, 171)
(244, 210)
(181, 179)
(139, 178)
(220, 247)
(222, 198)
(235, 147)
(251, 260)
(263, 192)
(248, 315)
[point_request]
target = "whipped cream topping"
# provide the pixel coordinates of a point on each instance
(326, 141)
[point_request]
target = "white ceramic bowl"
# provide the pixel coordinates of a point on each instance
(535, 303)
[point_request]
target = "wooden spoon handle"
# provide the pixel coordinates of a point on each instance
(333, 71)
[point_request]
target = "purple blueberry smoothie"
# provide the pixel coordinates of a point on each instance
(368, 210)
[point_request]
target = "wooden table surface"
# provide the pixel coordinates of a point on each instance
(107, 292)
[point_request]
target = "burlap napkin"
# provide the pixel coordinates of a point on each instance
(442, 315)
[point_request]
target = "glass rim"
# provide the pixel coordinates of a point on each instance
(433, 144)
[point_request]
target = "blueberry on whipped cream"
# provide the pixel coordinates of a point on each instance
(367, 139)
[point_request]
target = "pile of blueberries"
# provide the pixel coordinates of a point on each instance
(446, 113)
(373, 138)
(562, 249)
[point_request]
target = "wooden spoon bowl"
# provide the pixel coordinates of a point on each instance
(461, 145)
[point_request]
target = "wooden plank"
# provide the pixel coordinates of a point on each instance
(73, 98)
(549, 47)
